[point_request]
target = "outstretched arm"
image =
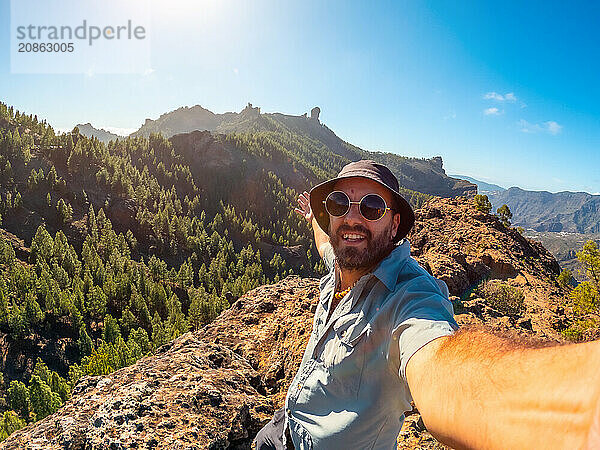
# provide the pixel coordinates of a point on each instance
(321, 238)
(593, 438)
(477, 390)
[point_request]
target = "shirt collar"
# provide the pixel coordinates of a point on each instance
(387, 270)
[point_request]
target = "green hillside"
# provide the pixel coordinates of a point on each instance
(108, 252)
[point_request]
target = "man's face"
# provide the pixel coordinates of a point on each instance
(356, 241)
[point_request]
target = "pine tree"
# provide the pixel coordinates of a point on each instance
(482, 203)
(10, 423)
(96, 302)
(33, 314)
(128, 322)
(3, 308)
(42, 245)
(18, 399)
(64, 210)
(84, 342)
(504, 215)
(140, 337)
(159, 334)
(111, 330)
(197, 314)
(43, 401)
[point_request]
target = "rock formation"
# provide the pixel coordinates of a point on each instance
(251, 111)
(438, 162)
(215, 388)
(314, 113)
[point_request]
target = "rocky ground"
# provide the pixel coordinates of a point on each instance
(215, 388)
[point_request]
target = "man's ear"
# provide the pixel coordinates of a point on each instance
(395, 224)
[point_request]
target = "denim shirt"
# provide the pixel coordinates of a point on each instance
(350, 391)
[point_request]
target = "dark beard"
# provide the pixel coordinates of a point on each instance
(351, 258)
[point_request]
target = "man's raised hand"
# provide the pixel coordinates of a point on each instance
(321, 238)
(304, 206)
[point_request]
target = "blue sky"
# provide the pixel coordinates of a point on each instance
(505, 92)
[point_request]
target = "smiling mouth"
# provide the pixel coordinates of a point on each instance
(353, 237)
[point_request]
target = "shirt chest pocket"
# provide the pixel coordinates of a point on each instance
(343, 355)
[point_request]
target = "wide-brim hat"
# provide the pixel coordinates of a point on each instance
(372, 171)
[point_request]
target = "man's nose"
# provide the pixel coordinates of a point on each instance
(353, 215)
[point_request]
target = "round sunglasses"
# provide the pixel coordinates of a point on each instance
(372, 206)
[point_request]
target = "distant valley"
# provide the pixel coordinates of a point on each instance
(571, 212)
(482, 186)
(561, 221)
(574, 212)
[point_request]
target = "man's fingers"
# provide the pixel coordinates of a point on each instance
(304, 202)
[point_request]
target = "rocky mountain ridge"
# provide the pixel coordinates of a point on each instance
(215, 388)
(422, 175)
(87, 129)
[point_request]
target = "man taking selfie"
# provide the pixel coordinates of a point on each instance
(384, 335)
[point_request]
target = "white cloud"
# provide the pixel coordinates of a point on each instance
(508, 97)
(553, 127)
(492, 112)
(550, 127)
(493, 96)
(450, 116)
(527, 127)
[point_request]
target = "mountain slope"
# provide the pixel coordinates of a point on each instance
(577, 212)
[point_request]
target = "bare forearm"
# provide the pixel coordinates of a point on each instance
(487, 392)
(321, 238)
